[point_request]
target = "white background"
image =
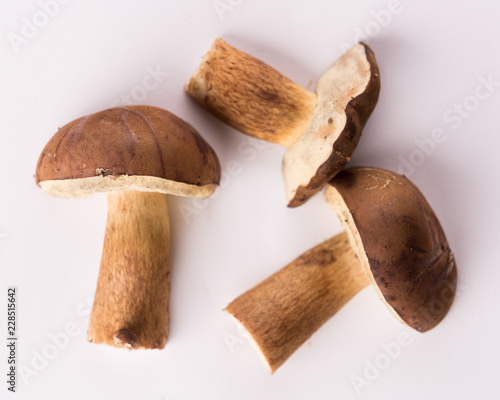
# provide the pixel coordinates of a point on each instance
(432, 57)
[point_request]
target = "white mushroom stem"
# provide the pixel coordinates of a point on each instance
(283, 311)
(131, 301)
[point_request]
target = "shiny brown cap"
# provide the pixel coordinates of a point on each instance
(399, 240)
(139, 148)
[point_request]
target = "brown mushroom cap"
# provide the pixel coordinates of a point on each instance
(140, 148)
(399, 240)
(347, 95)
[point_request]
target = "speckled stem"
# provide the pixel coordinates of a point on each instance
(283, 311)
(131, 302)
(251, 96)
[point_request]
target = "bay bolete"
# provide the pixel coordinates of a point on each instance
(392, 239)
(137, 154)
(320, 129)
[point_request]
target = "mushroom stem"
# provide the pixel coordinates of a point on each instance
(284, 310)
(251, 96)
(131, 301)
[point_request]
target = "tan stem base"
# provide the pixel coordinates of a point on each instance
(284, 310)
(131, 302)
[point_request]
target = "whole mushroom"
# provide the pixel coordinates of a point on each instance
(137, 154)
(392, 239)
(320, 129)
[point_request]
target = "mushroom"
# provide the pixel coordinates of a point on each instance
(321, 130)
(392, 239)
(137, 154)
(284, 310)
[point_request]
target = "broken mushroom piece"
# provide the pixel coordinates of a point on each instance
(284, 310)
(136, 154)
(393, 239)
(399, 241)
(320, 129)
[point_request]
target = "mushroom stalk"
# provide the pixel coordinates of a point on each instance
(284, 310)
(131, 301)
(251, 96)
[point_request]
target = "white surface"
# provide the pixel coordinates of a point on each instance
(432, 55)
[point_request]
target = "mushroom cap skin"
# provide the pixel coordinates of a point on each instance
(347, 95)
(140, 148)
(399, 241)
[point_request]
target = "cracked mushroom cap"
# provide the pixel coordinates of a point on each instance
(347, 94)
(399, 241)
(140, 148)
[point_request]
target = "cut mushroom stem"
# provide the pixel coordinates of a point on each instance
(284, 310)
(251, 96)
(131, 301)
